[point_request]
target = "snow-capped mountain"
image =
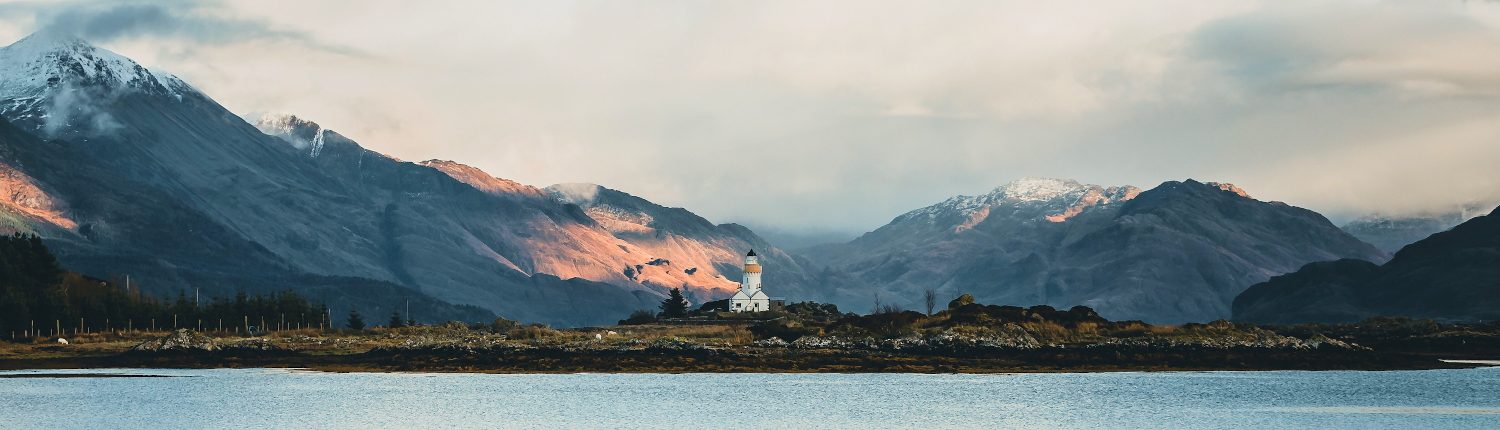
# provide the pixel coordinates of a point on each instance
(164, 184)
(42, 62)
(1051, 200)
(1024, 202)
(1178, 252)
(128, 171)
(56, 81)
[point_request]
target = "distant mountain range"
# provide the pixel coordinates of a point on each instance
(128, 171)
(1452, 275)
(1178, 252)
(1391, 233)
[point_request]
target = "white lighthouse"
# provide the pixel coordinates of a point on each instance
(750, 298)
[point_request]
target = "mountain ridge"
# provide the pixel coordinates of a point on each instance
(292, 198)
(346, 212)
(1175, 253)
(1450, 275)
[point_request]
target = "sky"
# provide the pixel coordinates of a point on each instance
(836, 116)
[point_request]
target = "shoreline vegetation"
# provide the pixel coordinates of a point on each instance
(966, 338)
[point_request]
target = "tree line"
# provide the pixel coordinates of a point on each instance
(39, 298)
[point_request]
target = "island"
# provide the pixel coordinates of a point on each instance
(965, 337)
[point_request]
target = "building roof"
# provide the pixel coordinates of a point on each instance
(751, 254)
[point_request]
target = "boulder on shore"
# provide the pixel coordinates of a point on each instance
(179, 340)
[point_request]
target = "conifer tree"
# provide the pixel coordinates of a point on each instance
(675, 306)
(356, 321)
(396, 321)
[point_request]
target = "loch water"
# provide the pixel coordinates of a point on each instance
(280, 398)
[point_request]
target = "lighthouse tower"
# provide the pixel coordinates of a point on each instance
(750, 298)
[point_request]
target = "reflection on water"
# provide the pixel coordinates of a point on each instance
(264, 398)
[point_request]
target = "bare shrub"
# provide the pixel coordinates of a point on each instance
(533, 332)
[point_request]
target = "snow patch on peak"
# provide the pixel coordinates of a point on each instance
(1038, 189)
(300, 133)
(576, 193)
(42, 42)
(1054, 200)
(1020, 190)
(279, 122)
(1225, 186)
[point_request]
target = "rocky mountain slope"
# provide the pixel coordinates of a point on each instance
(689, 244)
(129, 171)
(111, 225)
(1452, 275)
(1178, 252)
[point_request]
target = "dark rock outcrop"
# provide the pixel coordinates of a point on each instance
(1452, 275)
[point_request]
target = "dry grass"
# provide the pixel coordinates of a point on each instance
(1087, 328)
(732, 334)
(532, 332)
(1047, 331)
(1133, 329)
(1164, 329)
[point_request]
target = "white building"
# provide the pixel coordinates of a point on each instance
(750, 298)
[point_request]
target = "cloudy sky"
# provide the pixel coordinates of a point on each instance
(841, 115)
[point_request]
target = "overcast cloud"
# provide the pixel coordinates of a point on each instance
(842, 115)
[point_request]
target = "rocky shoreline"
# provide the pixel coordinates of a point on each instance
(452, 349)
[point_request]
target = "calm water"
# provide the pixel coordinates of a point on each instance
(259, 398)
